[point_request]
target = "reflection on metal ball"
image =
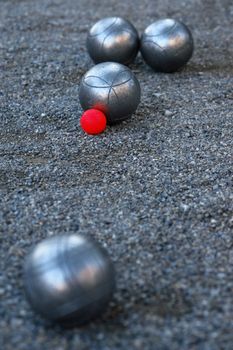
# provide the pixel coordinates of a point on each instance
(111, 88)
(69, 279)
(167, 45)
(113, 39)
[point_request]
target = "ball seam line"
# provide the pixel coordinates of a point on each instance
(114, 22)
(163, 33)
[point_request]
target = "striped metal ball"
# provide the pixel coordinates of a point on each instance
(113, 39)
(69, 279)
(111, 88)
(167, 45)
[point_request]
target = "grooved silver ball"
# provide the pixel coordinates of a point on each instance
(167, 45)
(68, 279)
(113, 39)
(111, 88)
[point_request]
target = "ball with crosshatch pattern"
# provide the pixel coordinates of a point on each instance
(113, 39)
(167, 45)
(111, 88)
(69, 279)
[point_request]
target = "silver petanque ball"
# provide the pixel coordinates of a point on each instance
(113, 39)
(111, 88)
(68, 279)
(167, 45)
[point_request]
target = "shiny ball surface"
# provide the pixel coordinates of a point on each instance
(167, 45)
(111, 88)
(68, 279)
(113, 39)
(93, 122)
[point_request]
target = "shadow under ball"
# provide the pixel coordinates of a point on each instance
(113, 39)
(68, 279)
(167, 45)
(111, 88)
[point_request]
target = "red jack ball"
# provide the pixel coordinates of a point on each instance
(93, 122)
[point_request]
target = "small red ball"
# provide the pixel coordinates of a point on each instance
(93, 122)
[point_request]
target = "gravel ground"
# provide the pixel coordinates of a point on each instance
(155, 190)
